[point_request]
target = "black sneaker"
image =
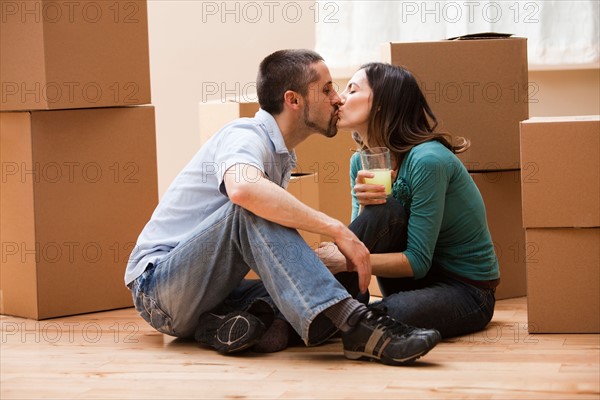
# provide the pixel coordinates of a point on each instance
(377, 336)
(236, 331)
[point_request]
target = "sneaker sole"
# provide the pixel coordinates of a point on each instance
(361, 356)
(249, 333)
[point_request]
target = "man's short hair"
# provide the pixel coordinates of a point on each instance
(282, 71)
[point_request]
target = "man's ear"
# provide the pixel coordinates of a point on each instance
(292, 99)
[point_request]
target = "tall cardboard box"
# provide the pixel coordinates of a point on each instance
(501, 192)
(477, 88)
(561, 214)
(77, 187)
(73, 54)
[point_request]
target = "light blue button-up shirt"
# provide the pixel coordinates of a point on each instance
(198, 190)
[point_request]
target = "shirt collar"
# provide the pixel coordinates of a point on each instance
(274, 133)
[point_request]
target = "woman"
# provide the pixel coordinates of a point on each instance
(430, 245)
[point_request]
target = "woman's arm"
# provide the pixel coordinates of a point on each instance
(391, 265)
(386, 265)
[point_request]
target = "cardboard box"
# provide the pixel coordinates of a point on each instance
(561, 172)
(77, 187)
(306, 189)
(64, 54)
(477, 88)
(329, 158)
(501, 192)
(563, 280)
(215, 114)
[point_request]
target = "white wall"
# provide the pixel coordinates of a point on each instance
(203, 50)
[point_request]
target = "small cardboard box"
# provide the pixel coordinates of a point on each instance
(73, 54)
(563, 280)
(561, 172)
(77, 187)
(328, 158)
(477, 89)
(306, 189)
(501, 192)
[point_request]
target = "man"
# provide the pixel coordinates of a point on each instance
(228, 212)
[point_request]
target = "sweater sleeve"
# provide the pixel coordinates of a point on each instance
(355, 166)
(428, 185)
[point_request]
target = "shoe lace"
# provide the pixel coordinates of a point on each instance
(379, 316)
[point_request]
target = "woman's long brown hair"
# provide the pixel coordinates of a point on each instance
(400, 117)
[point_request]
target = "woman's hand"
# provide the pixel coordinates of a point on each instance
(332, 257)
(368, 194)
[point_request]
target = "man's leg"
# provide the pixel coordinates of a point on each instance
(299, 284)
(200, 273)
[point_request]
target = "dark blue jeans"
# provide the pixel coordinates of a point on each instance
(439, 300)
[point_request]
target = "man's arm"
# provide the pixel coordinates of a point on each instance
(247, 187)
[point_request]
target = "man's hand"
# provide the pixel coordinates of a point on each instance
(357, 256)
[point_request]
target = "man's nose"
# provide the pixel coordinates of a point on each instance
(336, 99)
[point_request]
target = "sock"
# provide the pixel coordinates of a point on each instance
(344, 314)
(275, 338)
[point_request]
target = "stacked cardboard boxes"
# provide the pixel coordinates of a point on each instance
(477, 87)
(78, 177)
(560, 160)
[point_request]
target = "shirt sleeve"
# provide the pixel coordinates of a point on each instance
(240, 145)
(355, 166)
(428, 186)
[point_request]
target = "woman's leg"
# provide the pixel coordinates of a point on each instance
(449, 305)
(437, 301)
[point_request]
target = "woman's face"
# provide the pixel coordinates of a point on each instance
(355, 107)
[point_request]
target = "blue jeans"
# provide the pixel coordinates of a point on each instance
(207, 270)
(439, 300)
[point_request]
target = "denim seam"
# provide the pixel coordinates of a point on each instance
(480, 307)
(306, 329)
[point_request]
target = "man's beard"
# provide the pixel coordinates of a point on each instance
(329, 131)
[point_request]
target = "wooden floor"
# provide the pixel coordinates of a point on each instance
(116, 355)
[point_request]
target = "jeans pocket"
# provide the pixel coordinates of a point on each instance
(156, 317)
(148, 308)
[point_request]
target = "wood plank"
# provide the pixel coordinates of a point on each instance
(117, 355)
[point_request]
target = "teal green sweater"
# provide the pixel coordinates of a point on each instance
(446, 215)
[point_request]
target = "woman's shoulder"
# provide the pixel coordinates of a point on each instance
(430, 152)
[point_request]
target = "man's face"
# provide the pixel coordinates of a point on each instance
(321, 103)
